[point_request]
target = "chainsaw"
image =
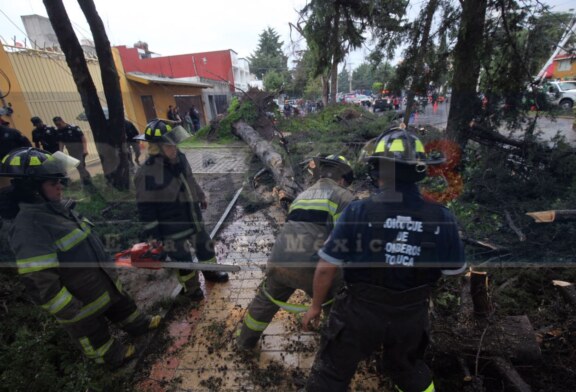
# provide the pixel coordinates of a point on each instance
(145, 255)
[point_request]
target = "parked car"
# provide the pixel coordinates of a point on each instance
(562, 93)
(382, 104)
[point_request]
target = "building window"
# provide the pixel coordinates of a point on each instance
(564, 65)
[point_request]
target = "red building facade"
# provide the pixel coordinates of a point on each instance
(215, 65)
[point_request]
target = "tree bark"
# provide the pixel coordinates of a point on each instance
(283, 174)
(479, 292)
(508, 371)
(120, 177)
(85, 85)
(568, 291)
(464, 103)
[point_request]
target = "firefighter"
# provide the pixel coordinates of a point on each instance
(291, 265)
(399, 245)
(169, 202)
(61, 261)
(45, 137)
(72, 137)
(10, 139)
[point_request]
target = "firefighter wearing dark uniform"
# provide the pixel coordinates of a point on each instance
(45, 137)
(399, 246)
(291, 264)
(169, 201)
(61, 261)
(74, 140)
(11, 139)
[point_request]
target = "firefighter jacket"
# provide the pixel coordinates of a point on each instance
(46, 137)
(168, 196)
(61, 262)
(403, 240)
(311, 217)
(11, 139)
(71, 136)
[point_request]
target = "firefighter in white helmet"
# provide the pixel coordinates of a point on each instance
(61, 260)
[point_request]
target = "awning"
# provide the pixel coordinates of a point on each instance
(155, 79)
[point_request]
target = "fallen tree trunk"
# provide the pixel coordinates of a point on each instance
(282, 172)
(508, 371)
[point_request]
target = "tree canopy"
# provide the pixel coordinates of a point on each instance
(268, 56)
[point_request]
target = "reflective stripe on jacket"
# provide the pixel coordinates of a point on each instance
(168, 197)
(47, 238)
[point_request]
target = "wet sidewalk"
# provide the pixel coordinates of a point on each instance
(202, 355)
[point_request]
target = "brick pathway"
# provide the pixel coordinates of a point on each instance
(202, 356)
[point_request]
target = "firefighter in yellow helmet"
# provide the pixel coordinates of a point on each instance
(169, 202)
(62, 262)
(291, 265)
(392, 247)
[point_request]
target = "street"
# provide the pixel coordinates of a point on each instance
(548, 127)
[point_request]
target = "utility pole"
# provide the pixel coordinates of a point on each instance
(571, 29)
(350, 77)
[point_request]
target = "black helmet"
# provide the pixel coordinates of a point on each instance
(36, 164)
(399, 154)
(332, 166)
(158, 131)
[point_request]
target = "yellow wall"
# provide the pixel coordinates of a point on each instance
(48, 90)
(565, 75)
(20, 119)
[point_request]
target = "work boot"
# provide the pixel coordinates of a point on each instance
(148, 324)
(194, 295)
(215, 276)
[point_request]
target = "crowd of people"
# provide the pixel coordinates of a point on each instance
(369, 265)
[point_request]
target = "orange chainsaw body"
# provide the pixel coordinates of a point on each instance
(141, 255)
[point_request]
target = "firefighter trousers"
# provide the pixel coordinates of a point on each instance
(93, 335)
(280, 284)
(366, 318)
(199, 245)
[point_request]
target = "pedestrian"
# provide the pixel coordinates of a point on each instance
(62, 262)
(45, 137)
(169, 201)
(195, 116)
(134, 145)
(399, 245)
(170, 114)
(177, 118)
(188, 123)
(75, 142)
(291, 264)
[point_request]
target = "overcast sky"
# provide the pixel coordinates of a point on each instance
(179, 26)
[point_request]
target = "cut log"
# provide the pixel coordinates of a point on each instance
(282, 172)
(553, 216)
(567, 289)
(508, 371)
(479, 292)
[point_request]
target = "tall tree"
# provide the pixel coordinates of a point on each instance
(464, 103)
(269, 55)
(109, 139)
(363, 77)
(334, 28)
(273, 81)
(344, 81)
